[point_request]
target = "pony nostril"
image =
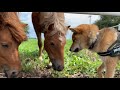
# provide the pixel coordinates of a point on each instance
(76, 50)
(14, 74)
(60, 68)
(6, 75)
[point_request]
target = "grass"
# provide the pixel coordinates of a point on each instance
(84, 63)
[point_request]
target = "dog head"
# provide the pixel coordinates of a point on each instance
(83, 36)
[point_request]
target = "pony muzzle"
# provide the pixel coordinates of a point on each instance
(57, 65)
(11, 73)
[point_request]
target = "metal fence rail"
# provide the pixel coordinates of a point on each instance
(98, 13)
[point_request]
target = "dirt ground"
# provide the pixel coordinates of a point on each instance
(47, 74)
(42, 74)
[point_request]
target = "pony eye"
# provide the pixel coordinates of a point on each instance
(73, 40)
(5, 45)
(52, 44)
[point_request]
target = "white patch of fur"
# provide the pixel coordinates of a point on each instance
(92, 37)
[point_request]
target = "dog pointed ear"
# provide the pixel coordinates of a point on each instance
(68, 26)
(73, 30)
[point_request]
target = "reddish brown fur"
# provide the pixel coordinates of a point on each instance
(52, 25)
(83, 31)
(11, 20)
(11, 35)
(106, 37)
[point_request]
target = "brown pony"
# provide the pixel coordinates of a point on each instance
(11, 35)
(54, 29)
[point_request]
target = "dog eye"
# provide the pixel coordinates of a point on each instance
(5, 45)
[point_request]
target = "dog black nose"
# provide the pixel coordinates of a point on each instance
(76, 50)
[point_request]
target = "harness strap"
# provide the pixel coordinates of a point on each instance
(113, 50)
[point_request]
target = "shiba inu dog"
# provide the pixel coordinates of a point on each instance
(90, 37)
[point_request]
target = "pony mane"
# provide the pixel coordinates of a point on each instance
(11, 21)
(57, 19)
